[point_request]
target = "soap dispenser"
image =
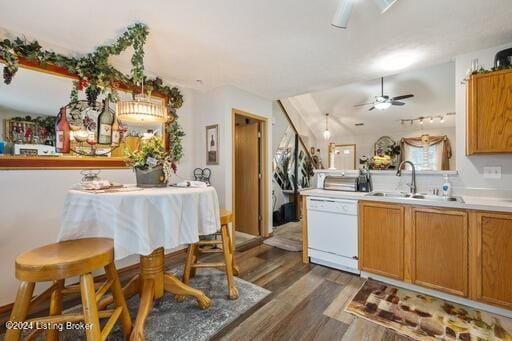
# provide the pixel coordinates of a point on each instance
(447, 187)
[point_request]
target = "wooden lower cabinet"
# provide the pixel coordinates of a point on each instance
(381, 239)
(439, 249)
(491, 258)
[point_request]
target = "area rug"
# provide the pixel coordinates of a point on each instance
(424, 317)
(284, 243)
(170, 320)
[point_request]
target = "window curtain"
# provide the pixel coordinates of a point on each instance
(427, 141)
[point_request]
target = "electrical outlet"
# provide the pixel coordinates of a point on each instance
(492, 172)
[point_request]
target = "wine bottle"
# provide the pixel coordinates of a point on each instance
(105, 120)
(212, 145)
(116, 136)
(62, 138)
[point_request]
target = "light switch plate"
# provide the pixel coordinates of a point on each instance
(492, 172)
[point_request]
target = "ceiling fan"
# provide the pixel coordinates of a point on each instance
(383, 102)
(344, 10)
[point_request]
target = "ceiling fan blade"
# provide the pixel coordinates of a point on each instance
(397, 103)
(402, 97)
(371, 108)
(342, 14)
(362, 104)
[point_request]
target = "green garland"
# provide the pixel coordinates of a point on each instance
(93, 69)
(96, 74)
(176, 135)
(494, 68)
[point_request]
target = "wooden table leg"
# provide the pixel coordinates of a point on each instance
(151, 284)
(147, 296)
(131, 289)
(176, 287)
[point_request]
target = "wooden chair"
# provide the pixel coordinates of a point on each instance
(208, 246)
(56, 262)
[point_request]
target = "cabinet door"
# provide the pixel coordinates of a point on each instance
(491, 266)
(381, 239)
(440, 249)
(489, 113)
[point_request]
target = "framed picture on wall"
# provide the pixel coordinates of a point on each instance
(212, 145)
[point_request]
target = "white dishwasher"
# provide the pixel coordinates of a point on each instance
(332, 233)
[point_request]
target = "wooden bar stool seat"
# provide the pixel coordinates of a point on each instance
(208, 246)
(56, 262)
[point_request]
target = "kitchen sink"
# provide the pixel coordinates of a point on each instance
(417, 196)
(389, 194)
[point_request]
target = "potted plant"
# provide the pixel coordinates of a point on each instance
(152, 163)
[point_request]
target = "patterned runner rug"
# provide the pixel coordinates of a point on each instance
(425, 317)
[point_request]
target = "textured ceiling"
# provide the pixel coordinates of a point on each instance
(272, 48)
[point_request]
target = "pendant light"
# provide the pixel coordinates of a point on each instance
(141, 110)
(327, 133)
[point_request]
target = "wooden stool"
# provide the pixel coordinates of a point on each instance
(56, 262)
(229, 264)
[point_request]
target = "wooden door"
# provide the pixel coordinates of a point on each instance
(381, 239)
(440, 249)
(247, 170)
(491, 259)
(489, 113)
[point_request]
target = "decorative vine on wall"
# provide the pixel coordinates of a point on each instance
(96, 75)
(94, 71)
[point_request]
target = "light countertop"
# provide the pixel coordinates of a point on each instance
(470, 202)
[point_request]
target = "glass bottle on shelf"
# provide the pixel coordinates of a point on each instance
(62, 138)
(105, 120)
(116, 135)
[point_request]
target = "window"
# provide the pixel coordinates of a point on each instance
(425, 157)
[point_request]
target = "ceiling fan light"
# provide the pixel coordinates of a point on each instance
(384, 5)
(382, 105)
(342, 14)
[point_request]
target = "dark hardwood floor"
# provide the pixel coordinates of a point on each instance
(306, 302)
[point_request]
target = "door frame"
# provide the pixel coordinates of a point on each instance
(264, 168)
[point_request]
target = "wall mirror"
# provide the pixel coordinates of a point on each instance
(28, 110)
(406, 116)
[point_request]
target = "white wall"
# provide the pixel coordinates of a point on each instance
(31, 202)
(471, 167)
(215, 107)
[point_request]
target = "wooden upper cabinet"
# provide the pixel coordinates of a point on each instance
(381, 239)
(439, 257)
(489, 113)
(491, 260)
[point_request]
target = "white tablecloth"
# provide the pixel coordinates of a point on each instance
(141, 221)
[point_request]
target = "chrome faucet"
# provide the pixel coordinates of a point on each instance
(412, 185)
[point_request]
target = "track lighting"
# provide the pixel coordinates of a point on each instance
(342, 14)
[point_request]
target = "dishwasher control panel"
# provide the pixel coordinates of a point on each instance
(340, 206)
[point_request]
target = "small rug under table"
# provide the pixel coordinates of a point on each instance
(170, 320)
(425, 317)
